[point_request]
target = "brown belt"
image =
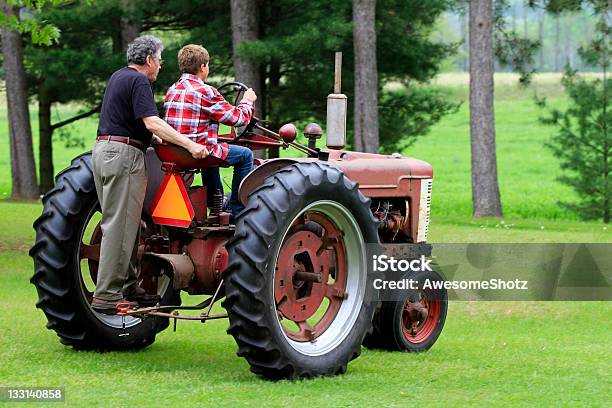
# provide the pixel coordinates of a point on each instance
(122, 139)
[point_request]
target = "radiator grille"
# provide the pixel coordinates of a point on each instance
(424, 209)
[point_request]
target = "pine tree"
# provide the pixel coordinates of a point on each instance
(296, 49)
(582, 141)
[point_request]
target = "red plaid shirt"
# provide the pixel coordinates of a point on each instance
(195, 110)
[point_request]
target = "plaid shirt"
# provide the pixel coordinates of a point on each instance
(195, 110)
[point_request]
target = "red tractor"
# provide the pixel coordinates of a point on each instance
(293, 270)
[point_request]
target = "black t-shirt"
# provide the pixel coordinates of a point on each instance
(128, 98)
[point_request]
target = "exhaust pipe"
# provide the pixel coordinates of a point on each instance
(336, 110)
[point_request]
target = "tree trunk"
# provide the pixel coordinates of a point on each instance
(23, 169)
(464, 37)
(130, 23)
(245, 27)
(541, 39)
(366, 76)
(605, 124)
(567, 43)
(485, 188)
(525, 25)
(557, 40)
(45, 148)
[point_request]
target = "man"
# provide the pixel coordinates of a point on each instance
(195, 109)
(128, 118)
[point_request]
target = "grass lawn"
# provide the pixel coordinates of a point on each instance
(490, 353)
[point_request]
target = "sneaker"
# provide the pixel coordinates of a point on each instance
(109, 307)
(141, 296)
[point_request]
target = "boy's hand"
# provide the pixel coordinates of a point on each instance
(250, 95)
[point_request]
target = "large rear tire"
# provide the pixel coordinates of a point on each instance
(305, 220)
(65, 260)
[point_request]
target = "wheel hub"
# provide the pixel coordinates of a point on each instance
(420, 317)
(311, 276)
(297, 297)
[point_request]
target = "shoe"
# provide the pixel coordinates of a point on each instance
(110, 307)
(142, 297)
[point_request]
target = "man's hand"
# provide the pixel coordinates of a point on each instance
(250, 95)
(197, 150)
(156, 140)
(160, 128)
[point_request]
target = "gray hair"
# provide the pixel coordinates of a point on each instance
(139, 49)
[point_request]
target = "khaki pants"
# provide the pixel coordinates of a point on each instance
(120, 176)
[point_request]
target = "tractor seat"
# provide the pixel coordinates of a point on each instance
(171, 153)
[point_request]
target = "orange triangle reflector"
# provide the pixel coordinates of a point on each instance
(171, 205)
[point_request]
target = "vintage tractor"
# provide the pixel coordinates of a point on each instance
(293, 268)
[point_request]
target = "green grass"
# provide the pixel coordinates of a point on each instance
(490, 353)
(449, 229)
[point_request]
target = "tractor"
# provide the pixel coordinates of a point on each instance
(292, 271)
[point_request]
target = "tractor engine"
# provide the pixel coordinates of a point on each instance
(394, 220)
(195, 263)
(209, 257)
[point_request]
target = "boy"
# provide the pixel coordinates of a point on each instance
(195, 110)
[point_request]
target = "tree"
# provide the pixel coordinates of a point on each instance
(74, 70)
(525, 22)
(366, 76)
(513, 49)
(541, 15)
(463, 23)
(130, 23)
(297, 59)
(489, 38)
(485, 188)
(23, 171)
(183, 22)
(557, 49)
(582, 142)
(245, 28)
(583, 145)
(24, 17)
(95, 37)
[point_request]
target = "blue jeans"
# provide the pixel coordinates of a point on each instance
(241, 158)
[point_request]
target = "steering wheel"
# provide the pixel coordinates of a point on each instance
(240, 89)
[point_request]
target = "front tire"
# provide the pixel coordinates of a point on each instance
(305, 220)
(399, 327)
(66, 253)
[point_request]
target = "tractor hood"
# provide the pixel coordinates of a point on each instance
(378, 175)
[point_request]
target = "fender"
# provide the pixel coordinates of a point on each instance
(378, 176)
(256, 177)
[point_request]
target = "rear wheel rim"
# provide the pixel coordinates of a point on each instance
(88, 255)
(315, 317)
